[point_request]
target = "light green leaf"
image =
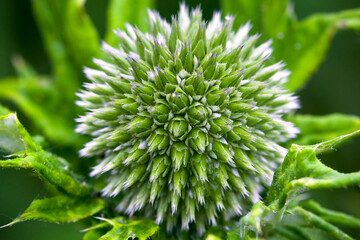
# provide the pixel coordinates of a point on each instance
(122, 230)
(315, 129)
(244, 11)
(301, 44)
(28, 154)
(96, 231)
(306, 43)
(92, 235)
(300, 171)
(60, 209)
(50, 168)
(275, 16)
(14, 137)
(126, 11)
(70, 39)
(10, 138)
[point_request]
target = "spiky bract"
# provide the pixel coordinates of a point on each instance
(188, 118)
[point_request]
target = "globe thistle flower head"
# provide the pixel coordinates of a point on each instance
(188, 117)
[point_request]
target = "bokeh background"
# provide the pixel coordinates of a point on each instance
(335, 87)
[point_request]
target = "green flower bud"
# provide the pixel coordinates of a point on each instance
(197, 114)
(188, 117)
(198, 140)
(180, 155)
(158, 141)
(160, 167)
(160, 112)
(137, 154)
(200, 168)
(140, 124)
(221, 124)
(178, 128)
(195, 85)
(146, 93)
(178, 100)
(127, 105)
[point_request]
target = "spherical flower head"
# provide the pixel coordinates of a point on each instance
(188, 119)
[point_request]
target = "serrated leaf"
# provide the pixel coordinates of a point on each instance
(60, 209)
(315, 129)
(126, 11)
(27, 154)
(96, 231)
(52, 169)
(140, 229)
(300, 171)
(301, 44)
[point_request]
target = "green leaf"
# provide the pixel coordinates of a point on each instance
(320, 223)
(293, 233)
(27, 154)
(60, 209)
(245, 11)
(70, 39)
(256, 221)
(92, 235)
(301, 44)
(315, 129)
(330, 215)
(126, 11)
(10, 138)
(96, 231)
(51, 169)
(282, 215)
(123, 229)
(306, 43)
(302, 170)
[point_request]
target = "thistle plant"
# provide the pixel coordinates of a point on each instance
(191, 122)
(188, 119)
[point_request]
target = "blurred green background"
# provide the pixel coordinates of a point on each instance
(335, 87)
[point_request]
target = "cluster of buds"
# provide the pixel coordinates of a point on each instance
(188, 119)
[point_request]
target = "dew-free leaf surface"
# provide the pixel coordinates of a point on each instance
(302, 45)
